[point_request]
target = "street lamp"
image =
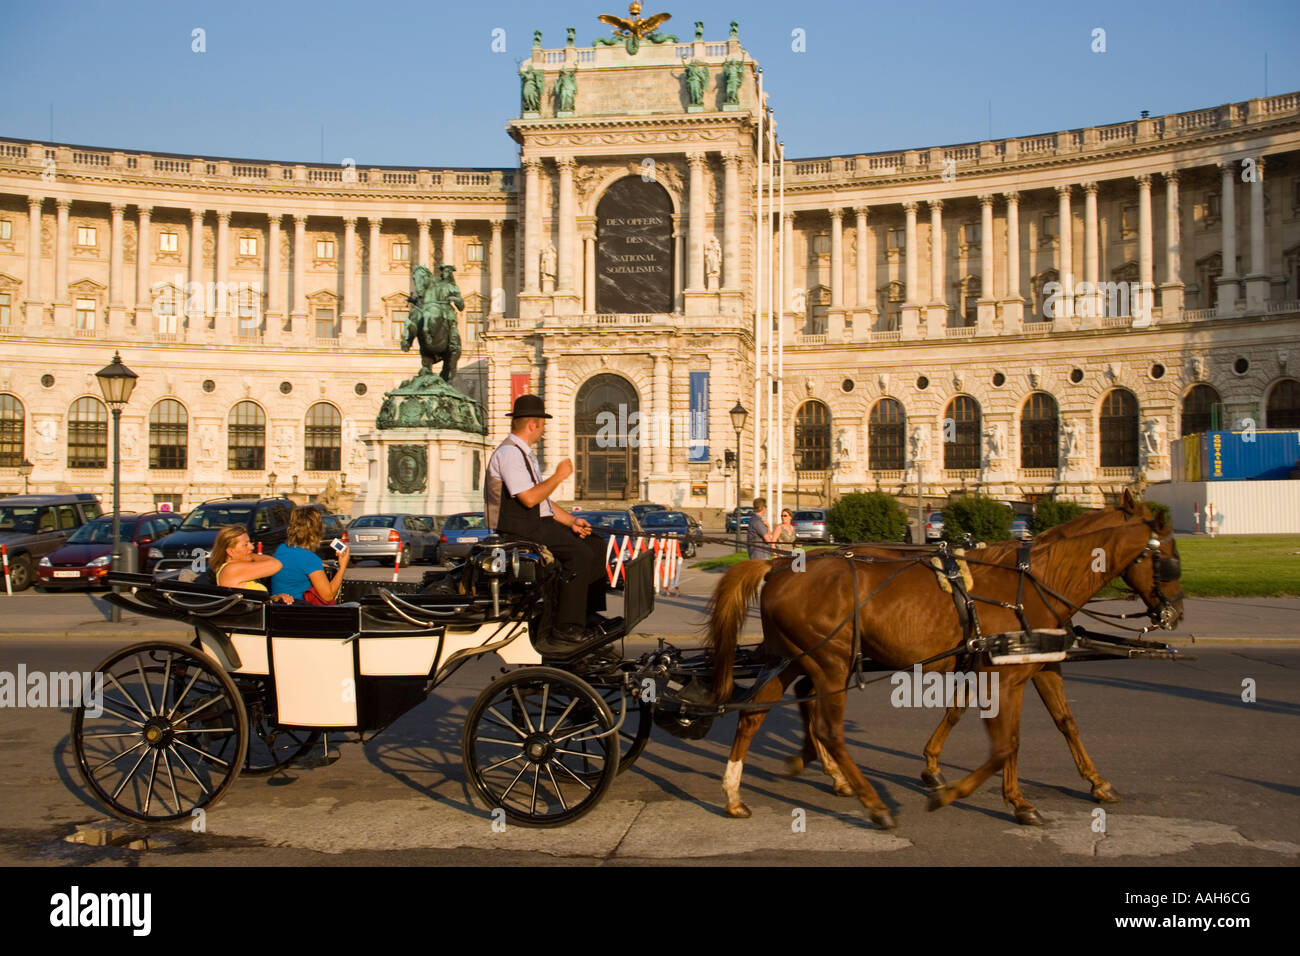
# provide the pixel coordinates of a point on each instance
(738, 416)
(24, 470)
(117, 382)
(270, 482)
(798, 460)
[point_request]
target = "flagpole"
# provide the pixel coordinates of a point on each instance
(758, 290)
(780, 337)
(767, 322)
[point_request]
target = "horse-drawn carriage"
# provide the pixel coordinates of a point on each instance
(261, 683)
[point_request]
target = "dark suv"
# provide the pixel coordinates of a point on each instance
(31, 526)
(267, 521)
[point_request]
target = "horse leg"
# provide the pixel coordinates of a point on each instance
(932, 776)
(1025, 812)
(1051, 688)
(1004, 736)
(795, 765)
(829, 729)
(746, 727)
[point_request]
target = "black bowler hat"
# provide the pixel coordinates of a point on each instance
(529, 406)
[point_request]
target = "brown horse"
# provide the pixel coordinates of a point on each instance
(907, 619)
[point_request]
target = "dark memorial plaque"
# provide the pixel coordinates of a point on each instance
(634, 248)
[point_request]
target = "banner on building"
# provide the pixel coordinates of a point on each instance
(699, 446)
(518, 385)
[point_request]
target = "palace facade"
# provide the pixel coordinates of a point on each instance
(1027, 316)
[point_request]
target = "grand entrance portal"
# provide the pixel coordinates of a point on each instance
(605, 436)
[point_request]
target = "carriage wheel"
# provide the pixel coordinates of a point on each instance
(271, 748)
(531, 746)
(635, 732)
(170, 738)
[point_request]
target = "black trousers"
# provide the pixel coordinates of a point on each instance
(584, 592)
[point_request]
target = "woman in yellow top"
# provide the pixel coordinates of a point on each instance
(234, 565)
(785, 536)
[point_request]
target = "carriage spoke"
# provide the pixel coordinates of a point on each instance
(546, 696)
(213, 757)
(114, 759)
(167, 682)
(179, 756)
(582, 754)
(502, 763)
(573, 733)
(560, 764)
(127, 694)
(171, 780)
(494, 713)
(183, 694)
(564, 716)
(204, 706)
(537, 776)
(144, 688)
(153, 775)
(133, 733)
(127, 718)
(528, 721)
(207, 730)
(522, 770)
(564, 805)
(494, 740)
(131, 773)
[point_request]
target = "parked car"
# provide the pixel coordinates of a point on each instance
(32, 526)
(810, 525)
(642, 510)
(381, 537)
(934, 526)
(745, 512)
(610, 522)
(84, 559)
(267, 521)
(1020, 529)
(460, 532)
(679, 525)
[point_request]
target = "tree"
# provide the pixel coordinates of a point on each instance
(869, 516)
(1050, 512)
(982, 518)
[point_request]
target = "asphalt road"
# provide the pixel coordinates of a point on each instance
(1206, 779)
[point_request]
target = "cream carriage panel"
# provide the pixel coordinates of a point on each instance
(315, 682)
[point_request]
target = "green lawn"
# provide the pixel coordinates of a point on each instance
(1232, 566)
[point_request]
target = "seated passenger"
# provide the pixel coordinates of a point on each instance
(234, 565)
(302, 574)
(519, 506)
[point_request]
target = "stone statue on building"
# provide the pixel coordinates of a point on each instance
(735, 31)
(1152, 435)
(537, 39)
(569, 34)
(993, 440)
(919, 443)
(566, 88)
(713, 260)
(697, 78)
(533, 82)
(1072, 439)
(733, 74)
(432, 321)
(699, 29)
(548, 261)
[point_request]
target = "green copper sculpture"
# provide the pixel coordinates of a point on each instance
(632, 32)
(533, 83)
(733, 74)
(566, 88)
(697, 78)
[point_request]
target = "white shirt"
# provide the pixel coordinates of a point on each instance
(518, 472)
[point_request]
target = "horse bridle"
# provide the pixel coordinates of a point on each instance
(1163, 570)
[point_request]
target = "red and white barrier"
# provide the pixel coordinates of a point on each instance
(668, 564)
(397, 564)
(4, 553)
(667, 560)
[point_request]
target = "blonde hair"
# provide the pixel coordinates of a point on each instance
(305, 528)
(225, 538)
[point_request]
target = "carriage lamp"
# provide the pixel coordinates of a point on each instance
(117, 382)
(24, 472)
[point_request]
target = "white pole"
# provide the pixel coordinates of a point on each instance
(767, 322)
(758, 292)
(782, 304)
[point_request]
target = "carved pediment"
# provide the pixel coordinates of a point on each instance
(87, 287)
(323, 299)
(8, 283)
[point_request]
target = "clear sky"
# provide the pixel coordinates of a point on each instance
(411, 83)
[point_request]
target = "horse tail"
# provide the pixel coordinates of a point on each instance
(726, 609)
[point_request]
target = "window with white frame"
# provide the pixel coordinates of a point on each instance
(6, 229)
(401, 252)
(86, 236)
(396, 324)
(164, 310)
(473, 326)
(250, 323)
(248, 245)
(1049, 225)
(168, 242)
(4, 310)
(821, 245)
(85, 314)
(324, 248)
(324, 323)
(897, 238)
(474, 252)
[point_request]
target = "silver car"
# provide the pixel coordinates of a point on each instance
(381, 537)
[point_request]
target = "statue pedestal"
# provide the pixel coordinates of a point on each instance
(427, 471)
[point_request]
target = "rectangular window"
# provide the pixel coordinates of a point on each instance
(85, 235)
(474, 252)
(168, 242)
(473, 326)
(1128, 220)
(401, 252)
(249, 321)
(893, 317)
(1212, 206)
(821, 245)
(4, 310)
(164, 311)
(972, 232)
(85, 313)
(324, 323)
(898, 238)
(1049, 224)
(324, 248)
(396, 324)
(6, 229)
(248, 245)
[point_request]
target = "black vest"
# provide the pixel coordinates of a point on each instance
(514, 518)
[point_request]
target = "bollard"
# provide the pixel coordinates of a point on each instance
(397, 562)
(4, 553)
(259, 547)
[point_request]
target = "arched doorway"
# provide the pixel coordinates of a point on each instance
(606, 435)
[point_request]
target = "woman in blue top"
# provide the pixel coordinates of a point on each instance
(300, 568)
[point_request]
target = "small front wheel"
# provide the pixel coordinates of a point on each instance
(538, 743)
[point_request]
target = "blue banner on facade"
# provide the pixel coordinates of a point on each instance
(699, 447)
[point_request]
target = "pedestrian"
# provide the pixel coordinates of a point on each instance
(759, 537)
(785, 533)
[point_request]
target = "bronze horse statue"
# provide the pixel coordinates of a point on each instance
(432, 320)
(902, 623)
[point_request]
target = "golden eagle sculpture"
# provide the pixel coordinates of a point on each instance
(634, 30)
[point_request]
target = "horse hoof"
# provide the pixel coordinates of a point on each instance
(883, 819)
(933, 781)
(739, 811)
(793, 766)
(1105, 793)
(844, 790)
(939, 798)
(1029, 817)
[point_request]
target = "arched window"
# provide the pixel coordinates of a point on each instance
(885, 436)
(1283, 408)
(323, 438)
(11, 432)
(608, 438)
(168, 434)
(246, 438)
(1119, 429)
(1040, 425)
(812, 436)
(88, 434)
(1198, 406)
(962, 424)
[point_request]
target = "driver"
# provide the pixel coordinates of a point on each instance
(518, 504)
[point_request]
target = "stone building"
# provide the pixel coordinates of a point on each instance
(1023, 317)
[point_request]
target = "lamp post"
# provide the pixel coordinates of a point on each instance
(25, 470)
(117, 382)
(738, 416)
(798, 460)
(270, 482)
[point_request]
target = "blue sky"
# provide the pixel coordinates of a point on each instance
(416, 83)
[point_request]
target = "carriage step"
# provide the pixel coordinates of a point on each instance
(1027, 647)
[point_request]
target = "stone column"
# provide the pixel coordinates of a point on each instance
(373, 253)
(62, 250)
(496, 290)
(1257, 291)
(589, 274)
(1146, 265)
(143, 247)
(731, 223)
(661, 457)
(274, 268)
(423, 254)
(532, 224)
(1065, 262)
(348, 313)
(862, 279)
(196, 297)
(679, 259)
(837, 257)
(224, 327)
(1090, 303)
(568, 212)
(909, 254)
(1171, 293)
(938, 294)
(447, 254)
(986, 307)
(33, 290)
(298, 317)
(1227, 302)
(1013, 305)
(695, 252)
(116, 294)
(787, 265)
